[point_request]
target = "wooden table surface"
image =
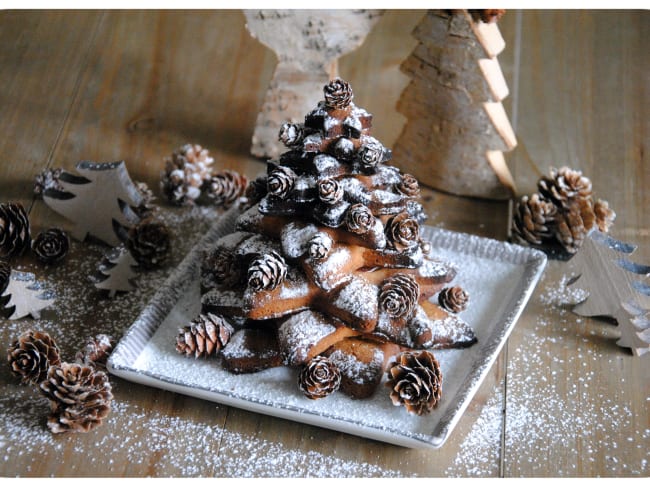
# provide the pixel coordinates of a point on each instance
(561, 400)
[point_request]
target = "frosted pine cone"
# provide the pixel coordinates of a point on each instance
(564, 186)
(409, 186)
(149, 243)
(370, 154)
(206, 335)
(186, 171)
(402, 231)
(291, 135)
(222, 266)
(329, 191)
(146, 208)
(604, 215)
(319, 378)
(571, 226)
(533, 219)
(267, 272)
(225, 187)
(5, 274)
(96, 351)
(338, 94)
(80, 397)
(359, 219)
(415, 381)
(399, 295)
(51, 246)
(320, 245)
(31, 356)
(14, 230)
(46, 180)
(342, 149)
(454, 299)
(280, 181)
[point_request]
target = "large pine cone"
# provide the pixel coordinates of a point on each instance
(51, 246)
(399, 295)
(338, 94)
(267, 272)
(225, 187)
(14, 229)
(5, 274)
(319, 378)
(206, 335)
(80, 397)
(415, 381)
(31, 356)
(533, 219)
(186, 171)
(149, 243)
(565, 186)
(96, 351)
(454, 299)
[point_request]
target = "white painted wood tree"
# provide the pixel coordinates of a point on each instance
(308, 44)
(24, 296)
(457, 128)
(617, 287)
(116, 272)
(102, 197)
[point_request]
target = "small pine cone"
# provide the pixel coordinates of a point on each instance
(329, 191)
(256, 190)
(149, 243)
(96, 351)
(342, 149)
(222, 266)
(409, 186)
(267, 272)
(571, 226)
(564, 186)
(291, 135)
(453, 299)
(319, 378)
(533, 219)
(47, 179)
(359, 219)
(5, 275)
(186, 171)
(399, 295)
(31, 356)
(14, 230)
(320, 245)
(403, 232)
(225, 187)
(206, 335)
(80, 397)
(146, 208)
(370, 154)
(51, 246)
(280, 181)
(338, 94)
(415, 381)
(604, 215)
(487, 15)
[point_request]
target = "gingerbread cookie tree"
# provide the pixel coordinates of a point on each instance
(330, 263)
(457, 128)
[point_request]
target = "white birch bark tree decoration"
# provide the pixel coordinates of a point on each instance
(457, 129)
(24, 296)
(616, 287)
(103, 196)
(115, 273)
(308, 44)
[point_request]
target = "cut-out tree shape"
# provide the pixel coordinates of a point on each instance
(617, 287)
(308, 44)
(24, 296)
(98, 200)
(457, 129)
(116, 272)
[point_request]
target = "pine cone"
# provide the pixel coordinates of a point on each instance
(370, 154)
(604, 215)
(5, 275)
(319, 378)
(329, 191)
(564, 187)
(320, 245)
(226, 187)
(399, 295)
(267, 272)
(222, 266)
(338, 94)
(415, 381)
(572, 225)
(146, 208)
(206, 335)
(14, 229)
(359, 219)
(409, 186)
(487, 15)
(185, 174)
(256, 190)
(280, 181)
(149, 243)
(402, 231)
(51, 246)
(31, 356)
(454, 299)
(47, 179)
(533, 219)
(80, 397)
(291, 135)
(96, 351)
(342, 149)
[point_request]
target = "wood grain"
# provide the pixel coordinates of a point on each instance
(561, 399)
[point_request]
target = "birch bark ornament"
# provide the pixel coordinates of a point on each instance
(24, 296)
(115, 273)
(457, 129)
(102, 197)
(618, 288)
(308, 44)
